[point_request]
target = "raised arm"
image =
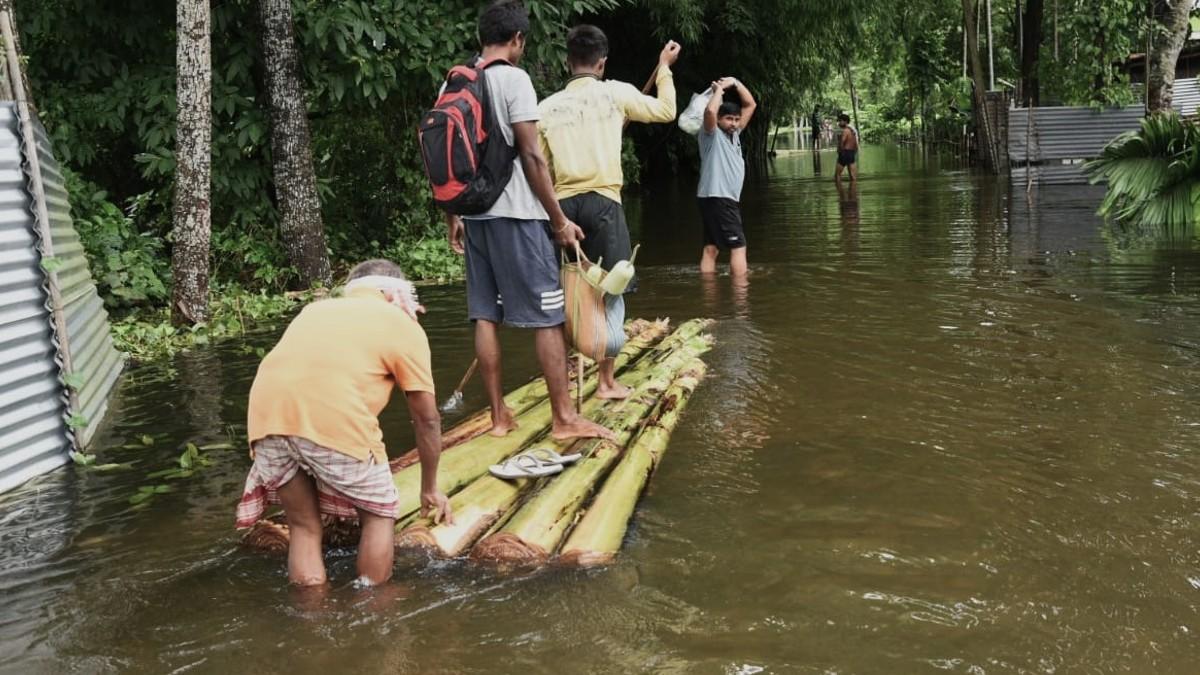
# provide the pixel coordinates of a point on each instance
(714, 103)
(639, 107)
(749, 105)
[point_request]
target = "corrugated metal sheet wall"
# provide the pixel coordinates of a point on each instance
(93, 356)
(33, 433)
(1186, 97)
(1060, 137)
(34, 412)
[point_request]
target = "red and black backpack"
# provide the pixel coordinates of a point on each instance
(467, 159)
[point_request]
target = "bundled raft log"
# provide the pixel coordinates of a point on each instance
(642, 334)
(479, 506)
(526, 521)
(470, 459)
(597, 537)
(536, 529)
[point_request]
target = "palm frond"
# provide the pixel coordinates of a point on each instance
(1153, 174)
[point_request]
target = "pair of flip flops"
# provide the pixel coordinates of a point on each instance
(532, 464)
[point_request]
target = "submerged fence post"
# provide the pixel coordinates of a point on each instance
(16, 82)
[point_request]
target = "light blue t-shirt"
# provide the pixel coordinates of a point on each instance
(722, 170)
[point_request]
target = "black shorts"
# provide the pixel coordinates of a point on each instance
(722, 223)
(847, 157)
(605, 233)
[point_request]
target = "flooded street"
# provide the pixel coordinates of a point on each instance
(946, 427)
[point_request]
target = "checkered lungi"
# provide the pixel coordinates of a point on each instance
(344, 484)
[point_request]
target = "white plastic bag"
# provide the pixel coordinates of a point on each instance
(692, 117)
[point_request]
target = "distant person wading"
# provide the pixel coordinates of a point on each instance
(722, 173)
(847, 149)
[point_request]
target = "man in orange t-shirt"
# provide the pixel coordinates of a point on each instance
(313, 421)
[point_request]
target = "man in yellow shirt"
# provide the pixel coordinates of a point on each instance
(580, 136)
(313, 421)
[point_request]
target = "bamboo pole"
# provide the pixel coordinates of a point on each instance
(991, 59)
(598, 536)
(41, 214)
(464, 463)
(481, 504)
(536, 529)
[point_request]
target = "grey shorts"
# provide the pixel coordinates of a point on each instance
(512, 273)
(605, 233)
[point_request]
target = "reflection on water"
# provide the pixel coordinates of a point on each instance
(947, 427)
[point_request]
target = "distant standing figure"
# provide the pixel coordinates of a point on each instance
(722, 172)
(815, 131)
(847, 149)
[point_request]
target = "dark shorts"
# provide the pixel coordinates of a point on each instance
(722, 223)
(605, 233)
(512, 273)
(847, 157)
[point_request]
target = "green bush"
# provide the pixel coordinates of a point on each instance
(427, 258)
(130, 267)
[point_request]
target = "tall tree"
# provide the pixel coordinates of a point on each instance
(300, 225)
(1031, 47)
(1172, 31)
(979, 99)
(193, 158)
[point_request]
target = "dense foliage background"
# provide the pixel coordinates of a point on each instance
(103, 75)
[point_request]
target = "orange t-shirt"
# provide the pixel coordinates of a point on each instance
(333, 371)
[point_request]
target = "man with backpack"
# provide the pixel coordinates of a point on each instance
(580, 135)
(511, 260)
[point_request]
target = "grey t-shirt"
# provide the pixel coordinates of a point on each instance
(514, 100)
(722, 170)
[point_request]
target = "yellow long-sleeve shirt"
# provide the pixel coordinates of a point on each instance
(580, 130)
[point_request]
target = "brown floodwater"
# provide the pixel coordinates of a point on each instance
(947, 427)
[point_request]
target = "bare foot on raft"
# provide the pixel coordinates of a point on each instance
(502, 424)
(616, 392)
(579, 427)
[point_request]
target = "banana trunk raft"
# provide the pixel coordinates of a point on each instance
(578, 516)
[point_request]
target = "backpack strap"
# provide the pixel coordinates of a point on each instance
(473, 67)
(484, 65)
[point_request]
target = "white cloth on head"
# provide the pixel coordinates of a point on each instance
(403, 289)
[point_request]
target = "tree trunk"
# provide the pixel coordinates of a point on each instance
(983, 127)
(300, 226)
(193, 157)
(853, 95)
(1031, 46)
(1172, 33)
